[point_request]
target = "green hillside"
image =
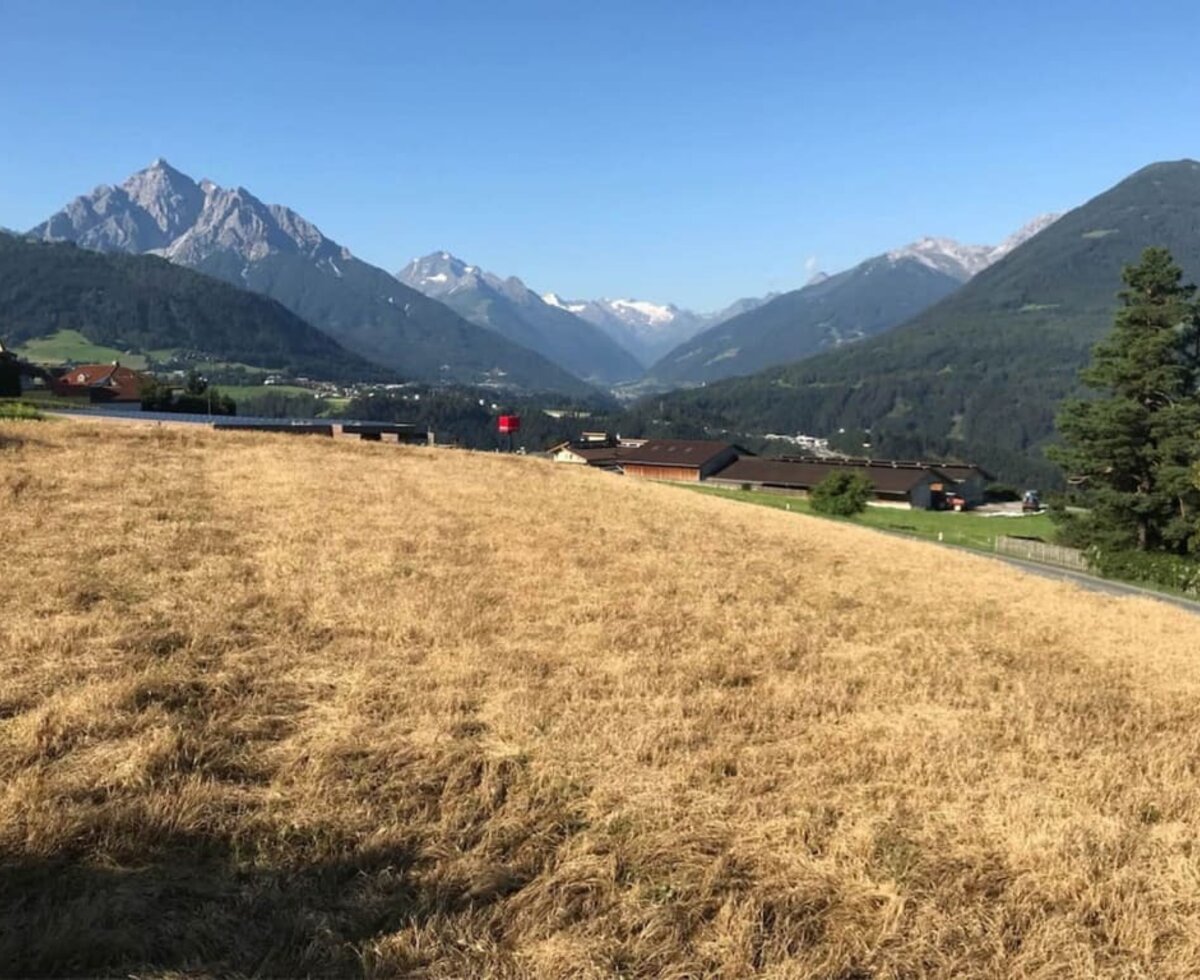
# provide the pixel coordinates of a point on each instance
(59, 299)
(70, 345)
(979, 375)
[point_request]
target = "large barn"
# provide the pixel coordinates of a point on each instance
(896, 484)
(685, 460)
(597, 449)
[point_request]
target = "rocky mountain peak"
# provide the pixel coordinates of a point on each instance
(945, 255)
(162, 210)
(171, 199)
(965, 261)
(441, 273)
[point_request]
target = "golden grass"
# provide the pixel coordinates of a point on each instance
(275, 705)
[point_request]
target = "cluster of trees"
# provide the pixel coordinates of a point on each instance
(1133, 449)
(196, 398)
(273, 404)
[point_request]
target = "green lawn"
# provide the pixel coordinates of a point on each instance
(334, 407)
(253, 391)
(11, 408)
(46, 399)
(71, 345)
(967, 530)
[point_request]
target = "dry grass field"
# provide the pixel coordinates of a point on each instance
(276, 706)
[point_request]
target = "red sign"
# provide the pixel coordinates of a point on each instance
(510, 424)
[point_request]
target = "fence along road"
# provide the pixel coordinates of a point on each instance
(1029, 549)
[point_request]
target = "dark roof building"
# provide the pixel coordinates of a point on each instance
(655, 459)
(910, 484)
(605, 453)
(678, 459)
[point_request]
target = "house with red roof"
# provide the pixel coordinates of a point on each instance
(101, 383)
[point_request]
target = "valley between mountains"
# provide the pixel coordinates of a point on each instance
(933, 349)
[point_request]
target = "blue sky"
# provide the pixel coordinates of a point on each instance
(690, 151)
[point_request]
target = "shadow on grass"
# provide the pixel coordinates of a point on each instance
(197, 907)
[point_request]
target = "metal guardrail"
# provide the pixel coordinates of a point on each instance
(1041, 552)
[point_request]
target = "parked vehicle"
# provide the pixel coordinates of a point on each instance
(1031, 503)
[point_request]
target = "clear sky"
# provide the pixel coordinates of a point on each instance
(687, 151)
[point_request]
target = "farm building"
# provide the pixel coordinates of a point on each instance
(970, 482)
(966, 480)
(688, 460)
(892, 484)
(595, 449)
(100, 383)
(605, 457)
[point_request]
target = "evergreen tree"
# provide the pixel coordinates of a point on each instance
(842, 494)
(1134, 446)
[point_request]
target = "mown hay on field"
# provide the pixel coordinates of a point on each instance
(273, 705)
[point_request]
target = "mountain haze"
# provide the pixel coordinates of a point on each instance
(511, 309)
(231, 234)
(647, 330)
(978, 375)
(861, 302)
(869, 299)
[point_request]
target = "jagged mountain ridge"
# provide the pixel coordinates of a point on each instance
(270, 249)
(509, 307)
(966, 261)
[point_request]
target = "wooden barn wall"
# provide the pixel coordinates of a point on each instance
(682, 473)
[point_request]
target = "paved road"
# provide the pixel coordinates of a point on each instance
(1093, 584)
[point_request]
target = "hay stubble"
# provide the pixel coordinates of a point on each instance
(282, 706)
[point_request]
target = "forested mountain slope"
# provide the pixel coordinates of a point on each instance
(980, 374)
(144, 303)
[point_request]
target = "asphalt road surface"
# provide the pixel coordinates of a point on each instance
(1093, 584)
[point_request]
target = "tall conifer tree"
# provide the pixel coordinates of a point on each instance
(1135, 445)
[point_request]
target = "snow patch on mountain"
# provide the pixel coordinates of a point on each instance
(649, 313)
(553, 299)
